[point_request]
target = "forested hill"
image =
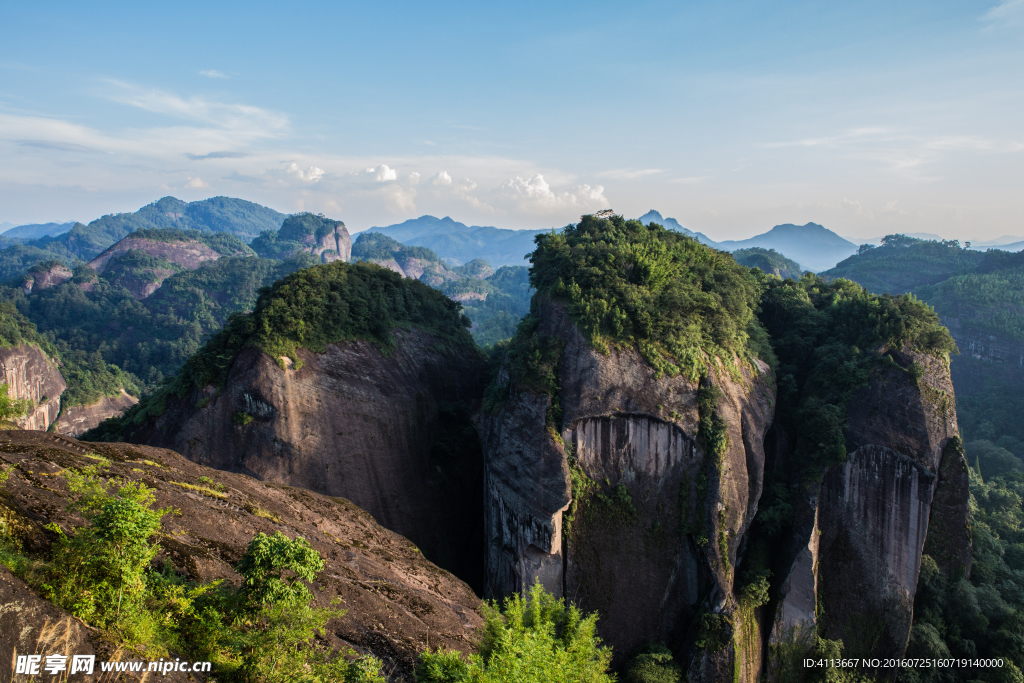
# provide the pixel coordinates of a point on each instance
(237, 217)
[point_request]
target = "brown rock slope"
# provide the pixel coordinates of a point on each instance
(398, 602)
(391, 433)
(649, 536)
(30, 374)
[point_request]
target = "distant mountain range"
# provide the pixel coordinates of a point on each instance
(35, 230)
(813, 246)
(458, 243)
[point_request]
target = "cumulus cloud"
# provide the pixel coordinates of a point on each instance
(310, 175)
(213, 73)
(414, 177)
(535, 195)
(442, 178)
(195, 183)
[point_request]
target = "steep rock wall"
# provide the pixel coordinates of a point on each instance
(620, 509)
(187, 254)
(902, 490)
(31, 374)
(391, 433)
(77, 420)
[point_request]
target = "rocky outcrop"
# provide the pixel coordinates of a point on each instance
(433, 273)
(391, 433)
(903, 489)
(336, 245)
(40, 278)
(77, 420)
(185, 253)
(397, 602)
(618, 506)
(32, 375)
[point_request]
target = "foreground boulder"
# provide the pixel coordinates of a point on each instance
(397, 602)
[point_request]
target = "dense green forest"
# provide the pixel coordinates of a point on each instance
(678, 301)
(769, 261)
(237, 217)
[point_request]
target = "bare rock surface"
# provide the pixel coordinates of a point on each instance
(76, 420)
(398, 602)
(185, 253)
(640, 545)
(30, 374)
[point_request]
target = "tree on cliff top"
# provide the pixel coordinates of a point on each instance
(625, 283)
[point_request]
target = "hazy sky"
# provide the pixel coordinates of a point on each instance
(869, 117)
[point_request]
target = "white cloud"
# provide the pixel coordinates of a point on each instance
(311, 175)
(536, 196)
(213, 73)
(689, 180)
(414, 178)
(442, 178)
(1009, 12)
(253, 121)
(630, 173)
(385, 174)
(195, 183)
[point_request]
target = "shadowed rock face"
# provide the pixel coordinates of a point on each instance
(857, 545)
(391, 433)
(640, 543)
(397, 602)
(31, 374)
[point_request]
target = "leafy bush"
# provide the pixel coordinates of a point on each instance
(12, 408)
(533, 640)
(653, 663)
(263, 632)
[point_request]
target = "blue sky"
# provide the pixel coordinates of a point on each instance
(869, 117)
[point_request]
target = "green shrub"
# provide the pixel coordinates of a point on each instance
(533, 640)
(653, 663)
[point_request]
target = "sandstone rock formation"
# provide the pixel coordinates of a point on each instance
(856, 548)
(397, 602)
(391, 433)
(647, 527)
(39, 278)
(76, 420)
(30, 374)
(620, 508)
(186, 253)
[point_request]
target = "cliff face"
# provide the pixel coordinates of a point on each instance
(622, 510)
(392, 434)
(857, 545)
(31, 374)
(397, 602)
(433, 273)
(76, 420)
(334, 246)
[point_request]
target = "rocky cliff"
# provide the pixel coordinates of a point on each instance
(620, 507)
(32, 375)
(391, 433)
(854, 555)
(624, 509)
(397, 602)
(77, 420)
